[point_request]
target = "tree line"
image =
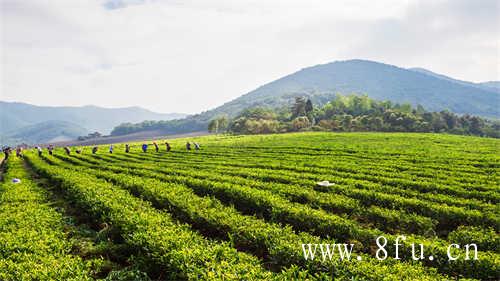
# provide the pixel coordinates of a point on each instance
(170, 126)
(353, 113)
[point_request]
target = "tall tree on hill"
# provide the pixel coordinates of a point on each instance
(213, 126)
(309, 106)
(476, 125)
(219, 124)
(309, 111)
(299, 107)
(223, 123)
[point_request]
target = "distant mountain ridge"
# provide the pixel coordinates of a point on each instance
(489, 86)
(379, 81)
(44, 132)
(15, 115)
(18, 120)
(383, 82)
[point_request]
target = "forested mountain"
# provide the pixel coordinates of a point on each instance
(489, 86)
(321, 83)
(44, 132)
(14, 115)
(21, 122)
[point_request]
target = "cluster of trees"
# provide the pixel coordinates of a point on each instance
(93, 135)
(170, 126)
(218, 125)
(355, 113)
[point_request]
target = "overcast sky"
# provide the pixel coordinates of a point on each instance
(190, 56)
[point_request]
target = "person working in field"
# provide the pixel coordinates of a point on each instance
(39, 149)
(144, 147)
(67, 149)
(111, 149)
(168, 146)
(19, 152)
(196, 146)
(188, 146)
(156, 146)
(50, 148)
(127, 148)
(78, 151)
(6, 150)
(94, 149)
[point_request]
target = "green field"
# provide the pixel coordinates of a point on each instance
(242, 206)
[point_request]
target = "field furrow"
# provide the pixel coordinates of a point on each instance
(273, 208)
(173, 246)
(279, 246)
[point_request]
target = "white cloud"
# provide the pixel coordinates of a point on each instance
(189, 56)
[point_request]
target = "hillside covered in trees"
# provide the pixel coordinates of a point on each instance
(321, 83)
(353, 113)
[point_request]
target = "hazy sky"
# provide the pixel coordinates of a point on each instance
(190, 56)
